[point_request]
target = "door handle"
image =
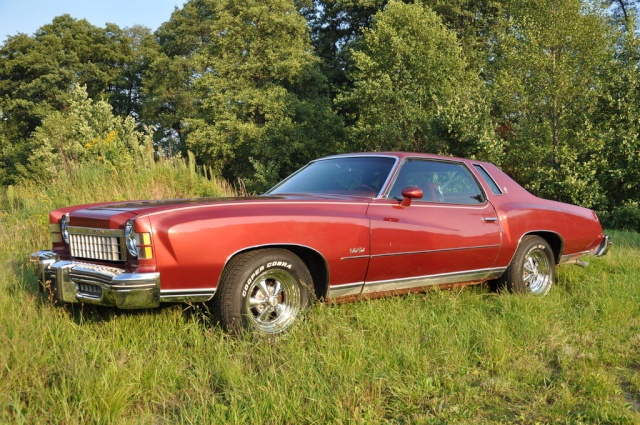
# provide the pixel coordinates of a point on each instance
(490, 219)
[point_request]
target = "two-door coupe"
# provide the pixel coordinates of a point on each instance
(342, 227)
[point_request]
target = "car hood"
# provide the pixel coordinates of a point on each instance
(149, 206)
(116, 213)
(170, 204)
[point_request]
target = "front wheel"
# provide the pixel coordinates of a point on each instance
(532, 269)
(263, 291)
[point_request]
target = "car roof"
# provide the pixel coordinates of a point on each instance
(401, 155)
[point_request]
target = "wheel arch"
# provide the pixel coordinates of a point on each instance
(554, 240)
(315, 262)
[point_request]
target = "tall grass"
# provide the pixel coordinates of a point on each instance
(462, 356)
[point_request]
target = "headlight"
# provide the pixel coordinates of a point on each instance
(64, 227)
(131, 239)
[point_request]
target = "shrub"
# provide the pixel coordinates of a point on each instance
(624, 217)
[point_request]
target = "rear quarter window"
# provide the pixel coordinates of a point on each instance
(493, 186)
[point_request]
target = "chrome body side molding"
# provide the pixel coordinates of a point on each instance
(360, 288)
(431, 280)
(195, 295)
(348, 289)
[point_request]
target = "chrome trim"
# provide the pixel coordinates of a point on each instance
(65, 286)
(459, 161)
(187, 295)
(95, 231)
(358, 288)
(386, 186)
(355, 257)
(392, 254)
(599, 251)
(537, 233)
(42, 260)
(378, 195)
(572, 258)
(97, 244)
(490, 219)
(74, 282)
(502, 190)
(337, 291)
(604, 246)
(282, 245)
(431, 204)
(431, 280)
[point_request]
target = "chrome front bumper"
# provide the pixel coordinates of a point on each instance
(77, 282)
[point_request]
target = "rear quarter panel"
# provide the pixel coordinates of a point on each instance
(522, 213)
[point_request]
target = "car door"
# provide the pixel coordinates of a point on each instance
(449, 235)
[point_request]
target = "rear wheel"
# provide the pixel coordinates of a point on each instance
(263, 291)
(532, 269)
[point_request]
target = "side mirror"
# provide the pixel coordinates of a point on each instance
(409, 193)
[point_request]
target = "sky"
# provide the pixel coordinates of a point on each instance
(26, 16)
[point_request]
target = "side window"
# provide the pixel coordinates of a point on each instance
(441, 181)
(495, 189)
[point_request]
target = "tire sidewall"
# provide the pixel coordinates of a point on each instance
(263, 261)
(531, 245)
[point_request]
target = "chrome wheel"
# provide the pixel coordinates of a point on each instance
(536, 271)
(273, 301)
(263, 292)
(532, 269)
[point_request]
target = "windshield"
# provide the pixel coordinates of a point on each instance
(361, 175)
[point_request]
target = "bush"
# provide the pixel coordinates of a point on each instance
(624, 217)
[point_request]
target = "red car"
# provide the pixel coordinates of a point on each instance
(344, 226)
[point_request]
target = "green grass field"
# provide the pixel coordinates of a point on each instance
(460, 356)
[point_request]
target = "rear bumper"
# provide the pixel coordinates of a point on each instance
(603, 248)
(77, 282)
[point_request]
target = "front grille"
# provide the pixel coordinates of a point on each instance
(97, 244)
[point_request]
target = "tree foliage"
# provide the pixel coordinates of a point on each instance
(618, 121)
(336, 26)
(85, 131)
(168, 87)
(38, 71)
(547, 89)
(548, 77)
(412, 89)
(247, 97)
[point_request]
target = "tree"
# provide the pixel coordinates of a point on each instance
(412, 90)
(168, 86)
(37, 71)
(618, 122)
(336, 25)
(623, 10)
(248, 98)
(475, 22)
(136, 49)
(84, 131)
(547, 77)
